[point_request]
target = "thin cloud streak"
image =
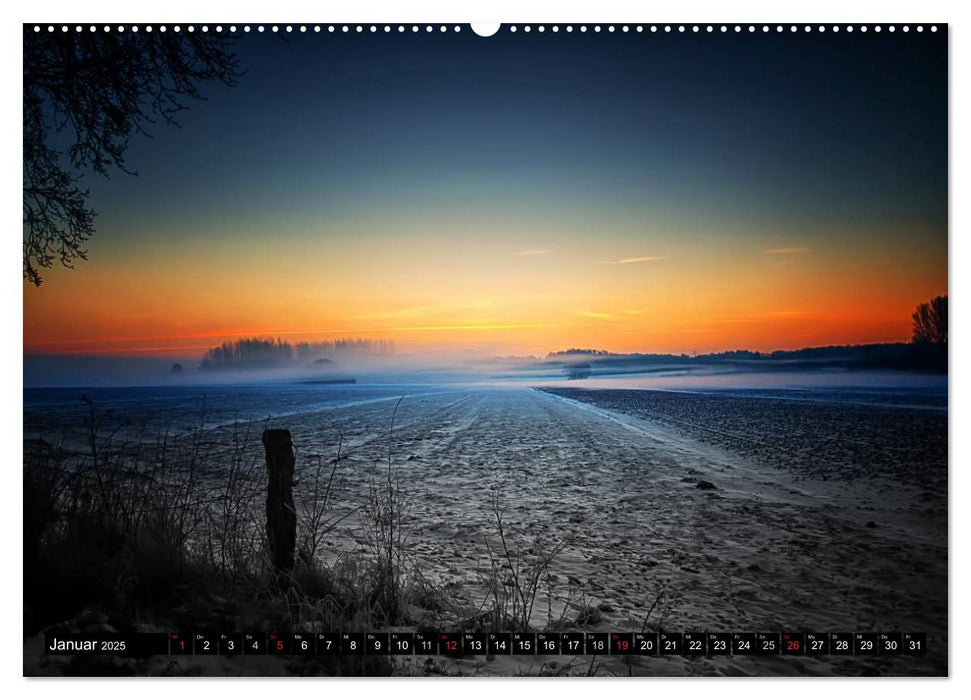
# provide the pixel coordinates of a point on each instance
(532, 252)
(796, 250)
(628, 261)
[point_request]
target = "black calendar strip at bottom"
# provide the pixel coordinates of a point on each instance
(458, 644)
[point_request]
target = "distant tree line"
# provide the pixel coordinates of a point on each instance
(268, 353)
(726, 355)
(577, 370)
(345, 345)
(926, 351)
(903, 356)
(581, 351)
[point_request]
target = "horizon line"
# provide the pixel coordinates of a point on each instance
(135, 354)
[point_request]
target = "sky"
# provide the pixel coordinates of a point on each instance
(522, 194)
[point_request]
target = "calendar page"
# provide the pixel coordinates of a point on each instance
(452, 350)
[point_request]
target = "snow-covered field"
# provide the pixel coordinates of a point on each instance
(773, 547)
(808, 527)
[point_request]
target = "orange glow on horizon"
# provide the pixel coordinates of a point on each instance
(493, 295)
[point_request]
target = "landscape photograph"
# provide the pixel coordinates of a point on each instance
(550, 353)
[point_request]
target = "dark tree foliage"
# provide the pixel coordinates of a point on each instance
(930, 321)
(85, 95)
(257, 353)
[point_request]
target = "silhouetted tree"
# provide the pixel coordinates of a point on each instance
(85, 94)
(577, 370)
(930, 321)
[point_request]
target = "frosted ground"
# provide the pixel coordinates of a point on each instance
(829, 512)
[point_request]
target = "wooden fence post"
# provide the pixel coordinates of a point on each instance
(281, 517)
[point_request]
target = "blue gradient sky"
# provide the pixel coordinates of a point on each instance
(409, 158)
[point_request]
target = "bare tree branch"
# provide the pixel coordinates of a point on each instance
(84, 97)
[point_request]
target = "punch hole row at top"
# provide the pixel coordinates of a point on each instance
(489, 30)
